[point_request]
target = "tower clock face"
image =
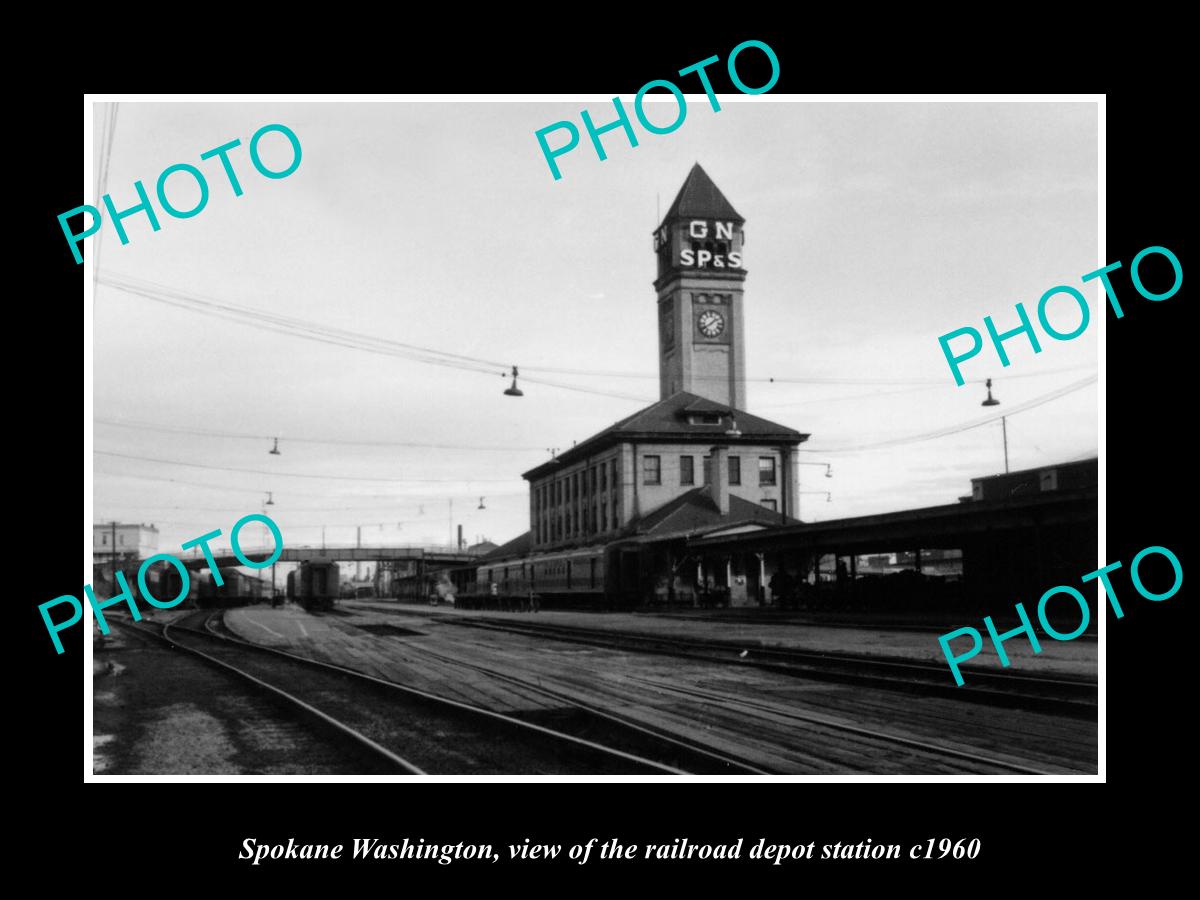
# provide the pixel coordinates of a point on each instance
(711, 323)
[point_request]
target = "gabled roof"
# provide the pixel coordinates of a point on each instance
(693, 515)
(696, 512)
(699, 198)
(668, 420)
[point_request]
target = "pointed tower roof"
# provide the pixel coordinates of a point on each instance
(699, 198)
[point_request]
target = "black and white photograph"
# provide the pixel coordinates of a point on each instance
(504, 438)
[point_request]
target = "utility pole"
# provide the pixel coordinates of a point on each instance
(114, 553)
(1004, 430)
(992, 401)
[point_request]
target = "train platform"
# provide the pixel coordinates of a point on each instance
(337, 634)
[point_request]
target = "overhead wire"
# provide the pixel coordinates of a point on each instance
(295, 327)
(176, 462)
(146, 426)
(284, 507)
(406, 498)
(325, 334)
(965, 426)
(108, 133)
(807, 379)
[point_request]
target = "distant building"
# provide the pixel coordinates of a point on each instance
(484, 546)
(1067, 476)
(126, 541)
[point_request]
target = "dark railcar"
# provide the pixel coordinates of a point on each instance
(586, 578)
(607, 577)
(314, 585)
(237, 589)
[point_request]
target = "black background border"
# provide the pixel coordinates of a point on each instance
(176, 828)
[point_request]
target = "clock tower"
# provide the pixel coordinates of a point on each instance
(700, 277)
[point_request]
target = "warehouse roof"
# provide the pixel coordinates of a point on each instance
(518, 546)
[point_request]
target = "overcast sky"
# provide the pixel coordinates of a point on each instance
(871, 230)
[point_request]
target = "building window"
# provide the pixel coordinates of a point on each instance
(603, 477)
(104, 539)
(735, 470)
(604, 514)
(766, 470)
(651, 470)
(687, 470)
(770, 504)
(121, 539)
(708, 470)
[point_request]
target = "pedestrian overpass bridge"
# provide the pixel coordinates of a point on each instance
(400, 558)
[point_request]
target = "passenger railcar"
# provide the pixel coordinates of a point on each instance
(586, 577)
(314, 585)
(166, 584)
(237, 589)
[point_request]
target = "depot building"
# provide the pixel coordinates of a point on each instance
(694, 501)
(608, 518)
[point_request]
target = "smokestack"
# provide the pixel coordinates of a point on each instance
(718, 487)
(460, 538)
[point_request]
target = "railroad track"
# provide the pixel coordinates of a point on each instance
(1059, 696)
(317, 737)
(415, 731)
(978, 762)
(713, 761)
(921, 751)
(816, 621)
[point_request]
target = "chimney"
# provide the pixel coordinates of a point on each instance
(718, 464)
